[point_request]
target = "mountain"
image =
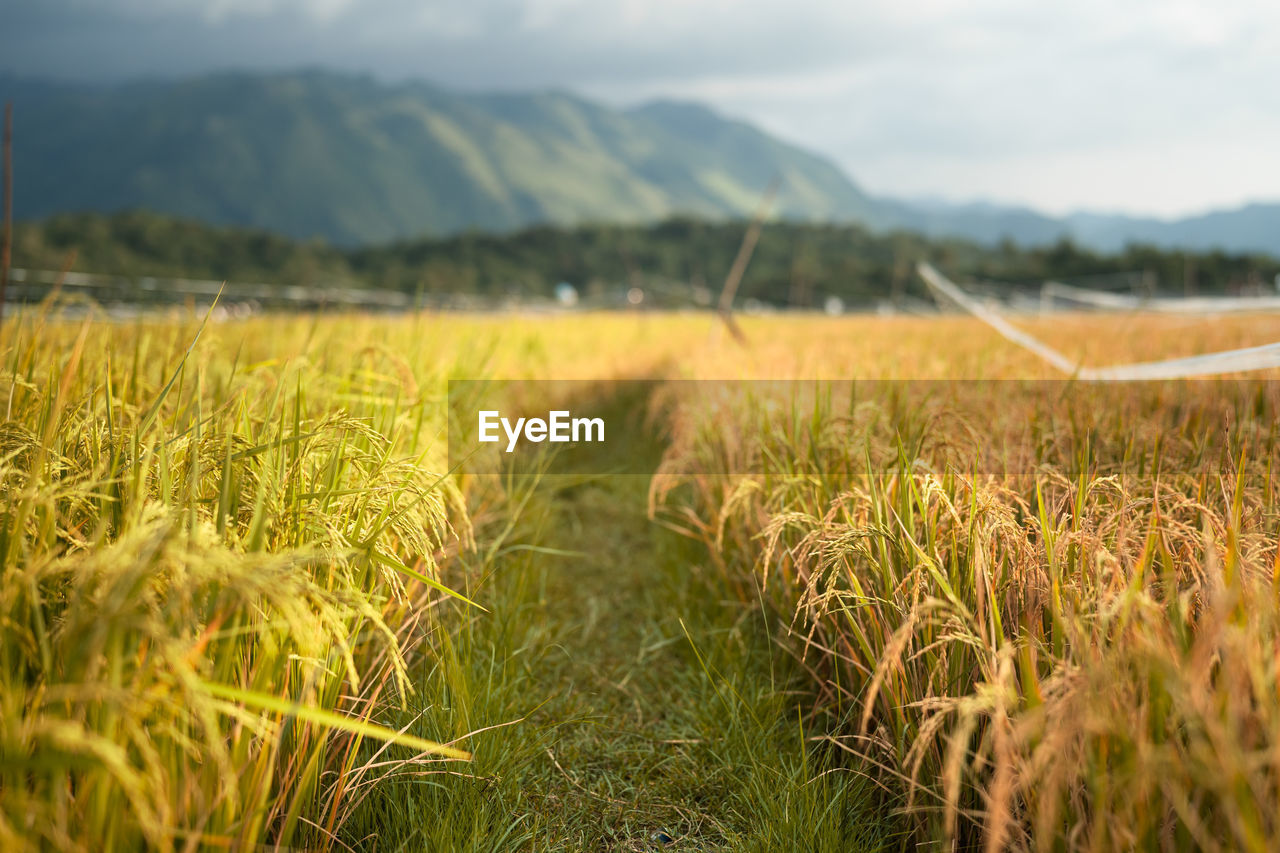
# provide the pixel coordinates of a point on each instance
(1252, 228)
(355, 161)
(981, 221)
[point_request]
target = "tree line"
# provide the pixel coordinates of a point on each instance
(676, 261)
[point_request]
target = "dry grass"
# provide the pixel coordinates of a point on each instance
(1070, 644)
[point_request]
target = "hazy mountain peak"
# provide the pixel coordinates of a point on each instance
(316, 152)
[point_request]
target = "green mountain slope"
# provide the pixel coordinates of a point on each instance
(356, 161)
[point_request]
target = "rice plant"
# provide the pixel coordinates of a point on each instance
(216, 550)
(233, 607)
(1048, 615)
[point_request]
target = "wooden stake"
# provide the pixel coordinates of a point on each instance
(6, 241)
(739, 267)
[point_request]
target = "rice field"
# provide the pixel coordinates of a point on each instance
(248, 603)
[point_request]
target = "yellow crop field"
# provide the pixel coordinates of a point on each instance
(248, 599)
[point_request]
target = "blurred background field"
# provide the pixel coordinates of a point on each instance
(138, 260)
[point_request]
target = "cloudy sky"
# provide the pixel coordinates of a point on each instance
(1145, 106)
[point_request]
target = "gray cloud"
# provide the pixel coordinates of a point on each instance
(500, 43)
(1150, 105)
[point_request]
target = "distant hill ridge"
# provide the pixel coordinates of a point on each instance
(355, 161)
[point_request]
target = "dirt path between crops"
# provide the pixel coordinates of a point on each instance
(627, 774)
(683, 732)
(619, 702)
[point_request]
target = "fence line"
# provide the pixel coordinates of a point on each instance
(1211, 364)
(151, 286)
(1182, 305)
